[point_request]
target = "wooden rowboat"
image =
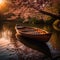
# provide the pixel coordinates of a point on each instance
(33, 33)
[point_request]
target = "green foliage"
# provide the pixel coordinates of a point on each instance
(36, 21)
(50, 21)
(39, 21)
(32, 20)
(20, 20)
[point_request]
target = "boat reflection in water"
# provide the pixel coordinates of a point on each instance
(34, 37)
(11, 48)
(22, 48)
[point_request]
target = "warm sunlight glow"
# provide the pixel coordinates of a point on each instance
(3, 5)
(1, 2)
(5, 38)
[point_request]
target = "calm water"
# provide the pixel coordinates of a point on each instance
(12, 49)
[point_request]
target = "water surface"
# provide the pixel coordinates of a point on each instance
(12, 49)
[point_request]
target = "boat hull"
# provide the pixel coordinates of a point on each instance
(43, 37)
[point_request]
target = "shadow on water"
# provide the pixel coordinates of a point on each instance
(35, 44)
